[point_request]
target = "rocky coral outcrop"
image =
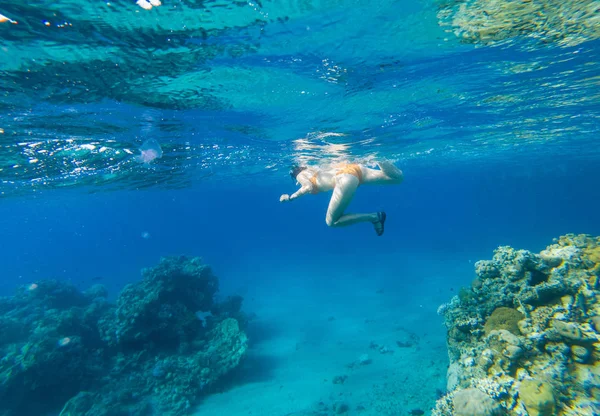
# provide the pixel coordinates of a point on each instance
(49, 345)
(153, 352)
(162, 307)
(564, 22)
(526, 333)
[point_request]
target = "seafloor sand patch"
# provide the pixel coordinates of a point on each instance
(307, 333)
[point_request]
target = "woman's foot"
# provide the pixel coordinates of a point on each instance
(391, 171)
(379, 224)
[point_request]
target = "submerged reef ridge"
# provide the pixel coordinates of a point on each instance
(487, 22)
(526, 340)
(153, 352)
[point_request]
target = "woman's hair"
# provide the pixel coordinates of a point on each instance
(296, 170)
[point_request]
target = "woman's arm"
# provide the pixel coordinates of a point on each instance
(302, 191)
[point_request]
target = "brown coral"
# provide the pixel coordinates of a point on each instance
(542, 358)
(504, 318)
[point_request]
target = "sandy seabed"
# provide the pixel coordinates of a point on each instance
(349, 342)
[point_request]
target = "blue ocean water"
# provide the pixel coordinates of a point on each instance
(498, 142)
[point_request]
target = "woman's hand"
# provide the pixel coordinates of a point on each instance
(284, 198)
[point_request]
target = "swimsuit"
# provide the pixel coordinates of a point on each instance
(353, 169)
(315, 188)
(350, 168)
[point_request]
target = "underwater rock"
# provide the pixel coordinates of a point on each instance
(474, 402)
(568, 330)
(50, 347)
(537, 397)
(51, 293)
(339, 379)
(534, 320)
(486, 269)
(230, 307)
(364, 359)
(580, 354)
(96, 292)
(162, 307)
(595, 321)
(341, 408)
(79, 404)
(147, 354)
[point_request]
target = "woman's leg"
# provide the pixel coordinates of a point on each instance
(343, 193)
(391, 171)
(388, 173)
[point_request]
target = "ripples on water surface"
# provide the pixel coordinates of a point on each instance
(231, 88)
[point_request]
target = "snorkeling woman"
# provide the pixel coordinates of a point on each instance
(344, 179)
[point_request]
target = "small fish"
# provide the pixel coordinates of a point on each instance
(6, 19)
(416, 412)
(97, 278)
(63, 342)
(145, 235)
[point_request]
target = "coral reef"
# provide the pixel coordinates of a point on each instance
(526, 340)
(537, 397)
(503, 318)
(163, 306)
(474, 402)
(50, 345)
(564, 22)
(153, 352)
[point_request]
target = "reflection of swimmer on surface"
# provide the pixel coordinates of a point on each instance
(147, 4)
(343, 180)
